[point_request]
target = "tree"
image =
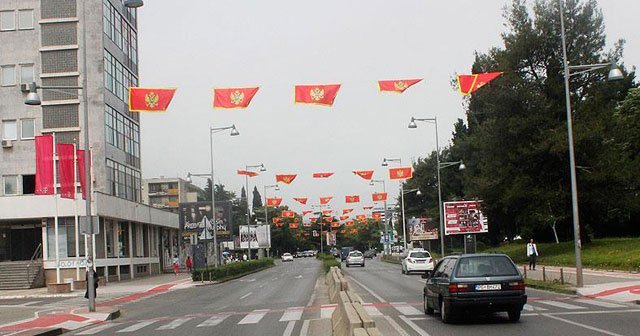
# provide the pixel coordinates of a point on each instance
(257, 199)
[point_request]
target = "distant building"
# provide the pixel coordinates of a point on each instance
(168, 193)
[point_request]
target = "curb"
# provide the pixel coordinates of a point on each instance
(45, 332)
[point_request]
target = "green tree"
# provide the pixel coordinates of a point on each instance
(257, 199)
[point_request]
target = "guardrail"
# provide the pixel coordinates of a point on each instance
(349, 318)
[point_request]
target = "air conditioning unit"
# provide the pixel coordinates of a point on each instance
(7, 143)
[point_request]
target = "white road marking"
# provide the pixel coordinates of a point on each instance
(174, 324)
(254, 317)
(30, 303)
(327, 310)
(582, 325)
(245, 296)
(414, 326)
(305, 328)
(600, 303)
(213, 321)
(561, 305)
(405, 309)
(396, 326)
(529, 307)
(292, 314)
(289, 329)
(136, 326)
(371, 310)
(597, 312)
(378, 297)
(98, 329)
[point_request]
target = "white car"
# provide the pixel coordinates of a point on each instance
(354, 258)
(417, 261)
(286, 257)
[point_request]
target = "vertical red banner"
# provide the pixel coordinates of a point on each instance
(66, 170)
(44, 165)
(82, 176)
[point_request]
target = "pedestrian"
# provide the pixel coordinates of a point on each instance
(95, 283)
(532, 253)
(176, 264)
(189, 263)
(244, 257)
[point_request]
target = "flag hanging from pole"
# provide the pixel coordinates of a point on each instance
(233, 98)
(327, 212)
(401, 173)
(44, 165)
(294, 225)
(352, 199)
(367, 207)
(150, 99)
(322, 175)
(376, 215)
(379, 197)
(316, 94)
(66, 170)
(470, 83)
(288, 214)
(325, 200)
(247, 173)
(344, 217)
(346, 211)
(365, 174)
(82, 176)
(286, 179)
(306, 212)
(274, 201)
(301, 200)
(397, 85)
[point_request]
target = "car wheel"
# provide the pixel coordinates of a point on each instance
(347, 264)
(425, 304)
(362, 264)
(514, 315)
(445, 312)
(403, 271)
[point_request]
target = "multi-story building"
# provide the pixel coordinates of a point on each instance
(42, 41)
(168, 193)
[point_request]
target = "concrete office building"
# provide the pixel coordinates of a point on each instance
(41, 41)
(168, 193)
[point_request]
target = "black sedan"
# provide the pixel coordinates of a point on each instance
(478, 283)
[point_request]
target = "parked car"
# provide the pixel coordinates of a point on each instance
(344, 252)
(286, 257)
(335, 252)
(474, 283)
(370, 253)
(354, 258)
(299, 254)
(417, 261)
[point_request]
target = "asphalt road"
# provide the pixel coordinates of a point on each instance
(271, 302)
(395, 302)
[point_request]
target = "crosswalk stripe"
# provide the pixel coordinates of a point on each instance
(292, 314)
(371, 310)
(599, 303)
(136, 326)
(326, 311)
(213, 321)
(405, 309)
(254, 317)
(174, 324)
(529, 307)
(98, 329)
(561, 305)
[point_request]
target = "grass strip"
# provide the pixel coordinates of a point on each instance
(551, 286)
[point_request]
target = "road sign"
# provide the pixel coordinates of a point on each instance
(84, 226)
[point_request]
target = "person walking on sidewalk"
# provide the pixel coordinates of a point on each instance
(189, 263)
(532, 253)
(176, 264)
(96, 280)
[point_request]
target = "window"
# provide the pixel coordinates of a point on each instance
(486, 266)
(26, 74)
(10, 184)
(27, 129)
(7, 20)
(8, 75)
(25, 19)
(28, 184)
(9, 130)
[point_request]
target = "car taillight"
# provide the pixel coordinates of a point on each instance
(517, 285)
(412, 261)
(457, 288)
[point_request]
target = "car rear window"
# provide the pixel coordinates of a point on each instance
(483, 266)
(419, 254)
(355, 254)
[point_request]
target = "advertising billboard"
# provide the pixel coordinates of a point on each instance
(248, 237)
(464, 217)
(422, 229)
(195, 217)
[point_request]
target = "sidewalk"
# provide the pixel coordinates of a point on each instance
(20, 311)
(610, 285)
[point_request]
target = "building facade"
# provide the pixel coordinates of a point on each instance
(41, 41)
(168, 193)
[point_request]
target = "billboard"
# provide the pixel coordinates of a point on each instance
(195, 217)
(255, 236)
(422, 229)
(464, 217)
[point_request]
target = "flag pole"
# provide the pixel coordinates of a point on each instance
(56, 219)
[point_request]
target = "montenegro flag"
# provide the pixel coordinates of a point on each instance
(327, 212)
(150, 99)
(379, 197)
(352, 199)
(301, 200)
(322, 175)
(286, 179)
(247, 173)
(288, 214)
(396, 85)
(401, 173)
(346, 211)
(233, 98)
(274, 201)
(470, 83)
(335, 225)
(294, 225)
(325, 200)
(316, 94)
(365, 174)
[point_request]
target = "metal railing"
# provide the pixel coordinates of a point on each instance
(37, 255)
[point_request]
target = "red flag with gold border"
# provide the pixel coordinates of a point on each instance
(306, 212)
(285, 178)
(328, 219)
(365, 174)
(343, 231)
(316, 94)
(361, 217)
(379, 197)
(350, 223)
(322, 175)
(294, 225)
(288, 214)
(335, 224)
(396, 85)
(327, 212)
(301, 200)
(368, 207)
(276, 220)
(468, 84)
(150, 99)
(352, 199)
(325, 200)
(247, 173)
(346, 211)
(376, 216)
(401, 173)
(344, 217)
(233, 98)
(274, 201)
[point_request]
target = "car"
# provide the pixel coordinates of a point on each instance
(286, 257)
(354, 258)
(370, 253)
(299, 254)
(417, 261)
(474, 283)
(335, 252)
(344, 252)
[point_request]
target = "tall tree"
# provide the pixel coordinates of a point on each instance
(257, 199)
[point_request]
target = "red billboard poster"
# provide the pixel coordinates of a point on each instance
(464, 217)
(422, 229)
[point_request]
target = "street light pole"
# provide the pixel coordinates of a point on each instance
(404, 222)
(266, 208)
(386, 219)
(261, 166)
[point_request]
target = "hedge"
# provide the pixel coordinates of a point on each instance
(328, 260)
(230, 270)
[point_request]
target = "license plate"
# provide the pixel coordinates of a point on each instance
(420, 261)
(488, 287)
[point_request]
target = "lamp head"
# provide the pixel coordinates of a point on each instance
(462, 166)
(32, 97)
(262, 168)
(413, 124)
(133, 3)
(384, 163)
(371, 183)
(615, 73)
(234, 131)
(189, 179)
(418, 192)
(277, 188)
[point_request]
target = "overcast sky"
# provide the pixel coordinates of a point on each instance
(199, 44)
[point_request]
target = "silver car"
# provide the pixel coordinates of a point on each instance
(354, 258)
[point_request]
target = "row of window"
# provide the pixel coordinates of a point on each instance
(122, 181)
(123, 133)
(9, 18)
(118, 30)
(117, 78)
(10, 74)
(10, 129)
